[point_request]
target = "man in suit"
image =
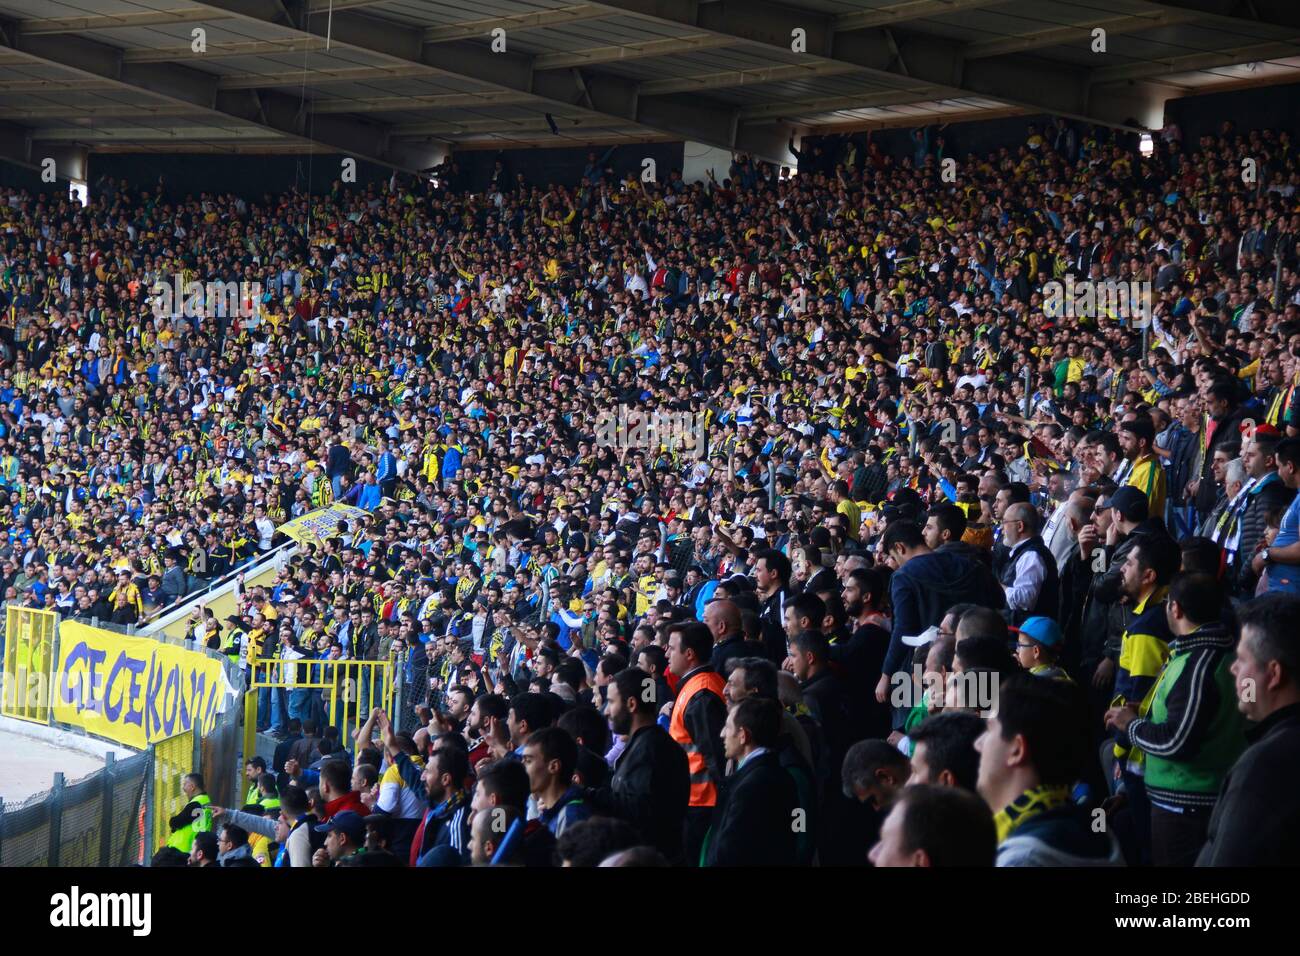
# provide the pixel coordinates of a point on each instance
(755, 820)
(173, 580)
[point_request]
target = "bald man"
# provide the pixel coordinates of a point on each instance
(722, 618)
(1060, 532)
(1029, 576)
(487, 830)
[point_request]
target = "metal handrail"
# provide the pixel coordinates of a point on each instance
(220, 582)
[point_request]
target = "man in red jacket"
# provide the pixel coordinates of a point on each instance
(336, 788)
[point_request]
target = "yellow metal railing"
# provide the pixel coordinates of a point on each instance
(28, 663)
(344, 686)
(173, 758)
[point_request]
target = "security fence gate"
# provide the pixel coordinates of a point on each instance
(336, 693)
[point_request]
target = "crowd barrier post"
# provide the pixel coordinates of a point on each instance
(147, 823)
(399, 693)
(250, 719)
(56, 818)
(109, 778)
(142, 819)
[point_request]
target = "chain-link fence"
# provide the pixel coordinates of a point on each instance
(118, 815)
(219, 759)
(96, 821)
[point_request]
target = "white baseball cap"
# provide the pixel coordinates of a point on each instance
(928, 636)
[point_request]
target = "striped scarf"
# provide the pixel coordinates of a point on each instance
(1030, 804)
(1227, 530)
(1279, 405)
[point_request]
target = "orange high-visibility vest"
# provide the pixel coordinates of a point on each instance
(703, 792)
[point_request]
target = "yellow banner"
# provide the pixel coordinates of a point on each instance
(133, 690)
(321, 524)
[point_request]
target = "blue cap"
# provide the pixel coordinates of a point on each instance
(1041, 629)
(349, 821)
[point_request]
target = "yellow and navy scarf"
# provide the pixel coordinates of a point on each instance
(1030, 804)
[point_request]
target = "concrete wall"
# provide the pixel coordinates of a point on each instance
(698, 159)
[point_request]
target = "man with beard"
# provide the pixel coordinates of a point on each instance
(479, 726)
(651, 783)
(442, 836)
(861, 658)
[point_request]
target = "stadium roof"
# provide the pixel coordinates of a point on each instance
(399, 82)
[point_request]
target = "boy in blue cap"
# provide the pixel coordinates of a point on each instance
(1038, 645)
(345, 836)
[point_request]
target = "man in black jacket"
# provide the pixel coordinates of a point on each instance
(338, 465)
(651, 783)
(1096, 619)
(860, 659)
(284, 747)
(844, 837)
(365, 638)
(772, 583)
(1256, 821)
(305, 748)
(1029, 575)
(925, 584)
(722, 618)
(757, 813)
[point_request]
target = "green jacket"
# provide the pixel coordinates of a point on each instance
(1192, 733)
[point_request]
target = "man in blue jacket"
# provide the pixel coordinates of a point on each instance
(924, 585)
(386, 471)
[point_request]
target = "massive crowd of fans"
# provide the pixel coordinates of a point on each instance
(952, 575)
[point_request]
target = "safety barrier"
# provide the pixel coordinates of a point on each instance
(28, 663)
(172, 759)
(338, 693)
(220, 596)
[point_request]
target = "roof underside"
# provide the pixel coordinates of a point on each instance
(402, 81)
